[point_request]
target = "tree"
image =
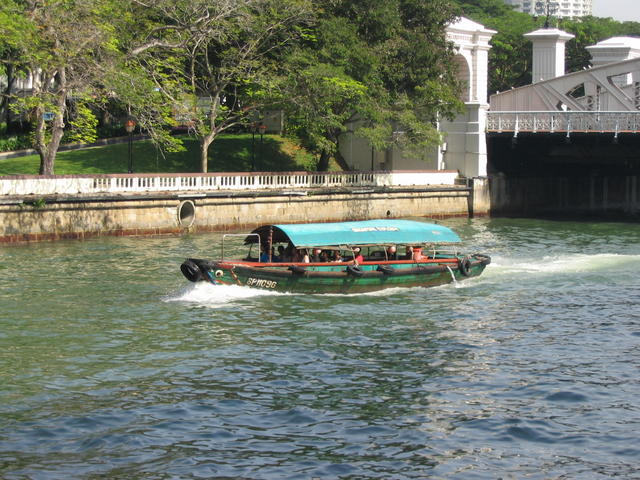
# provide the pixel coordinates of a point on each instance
(62, 45)
(383, 66)
(219, 61)
(589, 31)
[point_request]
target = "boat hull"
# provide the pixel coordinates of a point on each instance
(335, 278)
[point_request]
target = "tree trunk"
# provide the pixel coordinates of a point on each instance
(205, 142)
(341, 161)
(6, 99)
(48, 150)
(323, 162)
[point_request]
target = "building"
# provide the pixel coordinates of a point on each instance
(559, 8)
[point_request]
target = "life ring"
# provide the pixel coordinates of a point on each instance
(355, 271)
(386, 269)
(191, 271)
(218, 273)
(464, 267)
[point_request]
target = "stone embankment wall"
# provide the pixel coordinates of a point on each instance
(52, 217)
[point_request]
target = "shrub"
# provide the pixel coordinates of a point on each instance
(15, 142)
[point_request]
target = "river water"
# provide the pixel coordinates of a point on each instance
(113, 366)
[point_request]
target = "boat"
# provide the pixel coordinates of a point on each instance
(341, 257)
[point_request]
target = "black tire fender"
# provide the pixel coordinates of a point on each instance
(386, 269)
(464, 266)
(191, 271)
(297, 270)
(354, 271)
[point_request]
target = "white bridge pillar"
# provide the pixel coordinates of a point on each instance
(466, 145)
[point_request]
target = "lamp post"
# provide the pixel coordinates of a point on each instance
(130, 126)
(254, 127)
(262, 128)
(547, 8)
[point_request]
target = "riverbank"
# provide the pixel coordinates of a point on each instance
(116, 205)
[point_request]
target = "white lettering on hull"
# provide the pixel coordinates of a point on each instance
(261, 283)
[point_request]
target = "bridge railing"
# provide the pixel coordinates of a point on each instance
(552, 122)
(202, 183)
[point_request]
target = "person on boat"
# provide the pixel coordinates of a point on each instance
(324, 256)
(392, 253)
(417, 255)
(315, 255)
(264, 256)
(357, 256)
(304, 256)
(337, 257)
(408, 253)
(280, 257)
(289, 253)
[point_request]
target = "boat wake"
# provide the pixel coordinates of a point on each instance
(205, 293)
(209, 295)
(574, 263)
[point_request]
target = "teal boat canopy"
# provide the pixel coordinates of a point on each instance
(369, 232)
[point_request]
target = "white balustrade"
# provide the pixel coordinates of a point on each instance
(576, 121)
(202, 183)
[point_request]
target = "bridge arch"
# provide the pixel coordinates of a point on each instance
(464, 76)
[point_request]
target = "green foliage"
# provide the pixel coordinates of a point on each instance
(65, 46)
(484, 8)
(39, 203)
(589, 31)
(374, 67)
(83, 125)
(15, 142)
(217, 62)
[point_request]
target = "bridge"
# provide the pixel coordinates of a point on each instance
(563, 122)
(568, 144)
(604, 98)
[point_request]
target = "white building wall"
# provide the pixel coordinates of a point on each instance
(565, 8)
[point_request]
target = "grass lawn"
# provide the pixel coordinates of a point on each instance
(228, 153)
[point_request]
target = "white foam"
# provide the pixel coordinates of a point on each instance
(207, 294)
(217, 295)
(571, 263)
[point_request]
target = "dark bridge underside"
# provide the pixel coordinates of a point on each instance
(546, 174)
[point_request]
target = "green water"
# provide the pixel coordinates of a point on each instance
(112, 365)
